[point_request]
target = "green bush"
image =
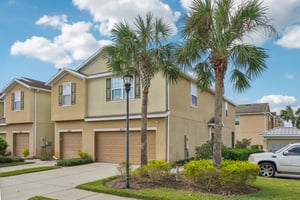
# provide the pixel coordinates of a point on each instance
(10, 159)
(238, 174)
(74, 161)
(122, 168)
(3, 146)
(25, 152)
(155, 169)
(238, 154)
(231, 176)
(205, 151)
(244, 143)
(82, 154)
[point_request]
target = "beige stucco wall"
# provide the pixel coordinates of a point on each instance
(98, 106)
(251, 126)
(20, 116)
(72, 112)
(88, 133)
(192, 121)
(95, 66)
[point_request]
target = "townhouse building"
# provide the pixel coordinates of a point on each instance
(252, 120)
(25, 120)
(88, 108)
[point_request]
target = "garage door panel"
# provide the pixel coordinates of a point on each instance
(70, 144)
(20, 142)
(111, 146)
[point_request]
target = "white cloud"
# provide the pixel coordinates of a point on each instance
(291, 37)
(290, 76)
(42, 49)
(278, 102)
(55, 21)
(74, 43)
(107, 13)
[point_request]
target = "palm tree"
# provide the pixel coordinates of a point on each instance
(289, 115)
(143, 51)
(213, 33)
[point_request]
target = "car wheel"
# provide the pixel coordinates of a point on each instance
(267, 169)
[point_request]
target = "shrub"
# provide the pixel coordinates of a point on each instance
(239, 154)
(122, 168)
(25, 152)
(82, 154)
(74, 161)
(3, 146)
(10, 159)
(257, 147)
(205, 151)
(156, 170)
(244, 143)
(231, 176)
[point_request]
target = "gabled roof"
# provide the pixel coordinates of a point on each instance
(64, 71)
(28, 83)
(282, 132)
(252, 108)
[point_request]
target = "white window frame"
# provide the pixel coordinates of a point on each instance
(67, 94)
(17, 100)
(226, 109)
(117, 84)
(194, 95)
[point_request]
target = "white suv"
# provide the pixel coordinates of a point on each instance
(285, 160)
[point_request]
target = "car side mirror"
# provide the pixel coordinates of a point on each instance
(285, 153)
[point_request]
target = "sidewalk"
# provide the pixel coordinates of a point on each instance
(57, 183)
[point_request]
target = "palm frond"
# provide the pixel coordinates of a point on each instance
(205, 75)
(239, 81)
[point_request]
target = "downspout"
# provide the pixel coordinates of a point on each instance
(168, 123)
(34, 122)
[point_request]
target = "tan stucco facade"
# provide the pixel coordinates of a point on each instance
(33, 120)
(178, 126)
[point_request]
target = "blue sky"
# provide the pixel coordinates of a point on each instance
(38, 37)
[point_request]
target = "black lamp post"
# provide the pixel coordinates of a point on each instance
(127, 78)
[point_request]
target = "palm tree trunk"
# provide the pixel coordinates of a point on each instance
(144, 158)
(217, 147)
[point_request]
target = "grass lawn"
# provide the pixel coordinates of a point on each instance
(271, 188)
(14, 164)
(40, 198)
(25, 171)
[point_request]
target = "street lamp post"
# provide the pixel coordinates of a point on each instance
(127, 78)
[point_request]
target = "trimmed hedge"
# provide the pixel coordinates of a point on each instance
(74, 161)
(238, 154)
(155, 169)
(10, 159)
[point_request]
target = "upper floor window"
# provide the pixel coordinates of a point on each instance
(194, 100)
(115, 89)
(17, 100)
(237, 120)
(226, 109)
(67, 94)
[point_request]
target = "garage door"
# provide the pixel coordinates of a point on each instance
(20, 142)
(111, 146)
(70, 143)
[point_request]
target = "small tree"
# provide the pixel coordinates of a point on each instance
(243, 144)
(3, 146)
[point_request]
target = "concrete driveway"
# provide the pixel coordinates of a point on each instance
(58, 183)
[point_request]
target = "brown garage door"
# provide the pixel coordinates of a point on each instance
(111, 146)
(20, 142)
(70, 143)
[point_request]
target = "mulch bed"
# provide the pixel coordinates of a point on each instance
(137, 183)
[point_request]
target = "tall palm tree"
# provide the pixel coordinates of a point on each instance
(289, 115)
(142, 50)
(213, 32)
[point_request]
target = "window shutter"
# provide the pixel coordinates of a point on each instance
(22, 100)
(137, 87)
(108, 89)
(60, 91)
(73, 93)
(13, 101)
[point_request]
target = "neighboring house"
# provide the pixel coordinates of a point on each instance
(88, 108)
(25, 120)
(278, 137)
(253, 119)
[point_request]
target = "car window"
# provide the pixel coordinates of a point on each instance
(294, 151)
